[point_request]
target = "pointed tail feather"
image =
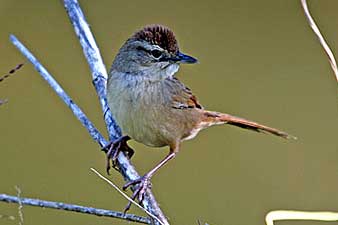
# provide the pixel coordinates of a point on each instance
(220, 118)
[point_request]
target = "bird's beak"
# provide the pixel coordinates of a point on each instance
(182, 58)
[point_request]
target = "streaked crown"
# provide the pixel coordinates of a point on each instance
(152, 50)
(158, 35)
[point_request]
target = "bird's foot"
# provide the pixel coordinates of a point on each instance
(114, 148)
(142, 185)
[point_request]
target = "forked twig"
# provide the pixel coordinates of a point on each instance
(320, 38)
(99, 75)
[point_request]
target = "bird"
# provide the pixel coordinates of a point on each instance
(152, 106)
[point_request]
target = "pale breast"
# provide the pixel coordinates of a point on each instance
(146, 113)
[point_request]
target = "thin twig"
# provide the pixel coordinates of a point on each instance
(20, 212)
(320, 38)
(299, 215)
(124, 195)
(11, 72)
(74, 208)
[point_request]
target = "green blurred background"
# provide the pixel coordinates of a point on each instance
(258, 59)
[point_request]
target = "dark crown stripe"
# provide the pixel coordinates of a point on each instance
(158, 35)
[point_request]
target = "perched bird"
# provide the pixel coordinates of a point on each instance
(152, 106)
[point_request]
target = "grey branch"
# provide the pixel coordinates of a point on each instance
(74, 208)
(99, 74)
(93, 56)
(60, 92)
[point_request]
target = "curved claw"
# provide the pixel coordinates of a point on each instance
(129, 203)
(132, 182)
(114, 148)
(140, 189)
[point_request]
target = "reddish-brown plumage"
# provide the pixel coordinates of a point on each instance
(216, 118)
(158, 35)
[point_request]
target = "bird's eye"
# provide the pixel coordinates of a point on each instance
(156, 53)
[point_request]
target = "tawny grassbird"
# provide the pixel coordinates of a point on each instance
(152, 106)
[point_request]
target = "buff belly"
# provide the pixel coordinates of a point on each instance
(148, 119)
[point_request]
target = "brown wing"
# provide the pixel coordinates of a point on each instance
(182, 97)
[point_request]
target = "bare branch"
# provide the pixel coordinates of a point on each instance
(99, 80)
(129, 171)
(320, 38)
(99, 74)
(60, 92)
(93, 56)
(74, 208)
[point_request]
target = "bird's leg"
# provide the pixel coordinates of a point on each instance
(143, 183)
(114, 148)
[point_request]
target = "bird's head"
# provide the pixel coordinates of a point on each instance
(151, 52)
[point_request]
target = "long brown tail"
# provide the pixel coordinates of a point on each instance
(220, 118)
